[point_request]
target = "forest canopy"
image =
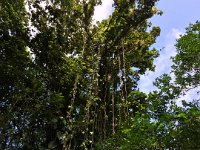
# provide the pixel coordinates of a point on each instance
(69, 83)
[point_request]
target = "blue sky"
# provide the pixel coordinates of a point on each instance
(178, 14)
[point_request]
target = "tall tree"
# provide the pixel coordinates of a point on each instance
(77, 84)
(164, 124)
(14, 61)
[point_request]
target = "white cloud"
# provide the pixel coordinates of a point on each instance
(174, 33)
(189, 96)
(103, 11)
(163, 62)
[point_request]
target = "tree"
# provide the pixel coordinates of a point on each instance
(186, 69)
(75, 78)
(163, 124)
(187, 62)
(14, 62)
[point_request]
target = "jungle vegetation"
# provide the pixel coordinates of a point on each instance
(68, 83)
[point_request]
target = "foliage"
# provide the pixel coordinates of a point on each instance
(187, 62)
(163, 124)
(65, 82)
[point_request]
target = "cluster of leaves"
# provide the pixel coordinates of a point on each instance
(164, 124)
(187, 62)
(174, 130)
(65, 81)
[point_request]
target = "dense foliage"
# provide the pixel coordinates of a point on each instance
(65, 81)
(166, 125)
(187, 62)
